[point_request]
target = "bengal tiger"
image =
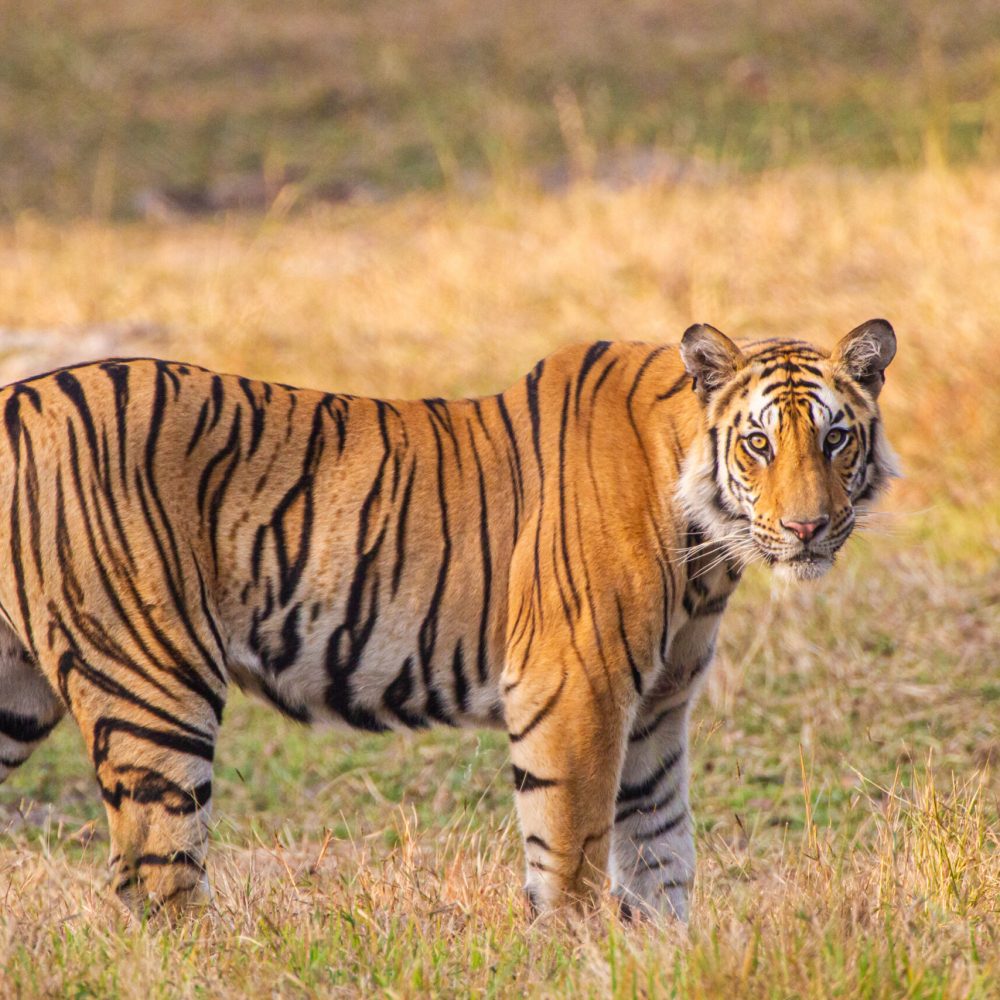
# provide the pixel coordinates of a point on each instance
(553, 560)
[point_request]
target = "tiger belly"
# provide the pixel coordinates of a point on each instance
(390, 686)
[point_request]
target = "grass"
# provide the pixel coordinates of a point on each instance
(846, 806)
(102, 101)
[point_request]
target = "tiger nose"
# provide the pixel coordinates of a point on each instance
(805, 531)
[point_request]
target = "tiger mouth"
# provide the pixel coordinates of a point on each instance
(806, 557)
(804, 565)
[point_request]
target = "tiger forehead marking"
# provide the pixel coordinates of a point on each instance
(554, 560)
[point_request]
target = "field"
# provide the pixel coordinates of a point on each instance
(117, 107)
(847, 816)
(424, 199)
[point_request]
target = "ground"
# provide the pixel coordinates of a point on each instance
(846, 806)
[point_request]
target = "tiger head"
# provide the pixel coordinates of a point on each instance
(794, 448)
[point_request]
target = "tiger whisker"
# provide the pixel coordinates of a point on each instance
(744, 553)
(711, 543)
(704, 546)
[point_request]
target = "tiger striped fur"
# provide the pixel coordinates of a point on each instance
(553, 560)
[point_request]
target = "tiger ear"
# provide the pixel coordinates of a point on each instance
(865, 353)
(710, 357)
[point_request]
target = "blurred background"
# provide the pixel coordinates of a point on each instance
(422, 198)
(116, 108)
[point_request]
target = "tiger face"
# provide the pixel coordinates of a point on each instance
(795, 448)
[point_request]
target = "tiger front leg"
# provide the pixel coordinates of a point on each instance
(152, 755)
(567, 729)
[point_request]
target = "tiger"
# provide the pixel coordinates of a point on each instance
(553, 560)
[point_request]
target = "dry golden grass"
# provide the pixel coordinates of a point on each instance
(848, 828)
(449, 295)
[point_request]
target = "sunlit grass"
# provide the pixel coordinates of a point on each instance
(842, 779)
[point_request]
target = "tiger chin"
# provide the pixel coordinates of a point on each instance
(553, 560)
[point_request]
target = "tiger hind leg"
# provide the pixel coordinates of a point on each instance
(29, 708)
(152, 747)
(653, 853)
(653, 848)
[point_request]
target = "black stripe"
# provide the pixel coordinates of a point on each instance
(298, 713)
(665, 827)
(647, 810)
(653, 355)
(70, 385)
(177, 858)
(514, 459)
(292, 558)
(713, 436)
(657, 863)
(398, 693)
(677, 387)
(199, 428)
(32, 486)
(107, 726)
(111, 499)
(713, 607)
(152, 788)
(119, 375)
(291, 643)
(785, 365)
(441, 415)
(230, 450)
(404, 510)
(217, 401)
(12, 419)
(542, 712)
(338, 699)
(531, 386)
(628, 792)
(163, 530)
(24, 728)
(563, 530)
(461, 683)
(484, 546)
(601, 379)
(636, 676)
(525, 781)
(257, 424)
(427, 636)
(594, 353)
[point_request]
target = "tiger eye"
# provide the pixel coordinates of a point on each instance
(835, 438)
